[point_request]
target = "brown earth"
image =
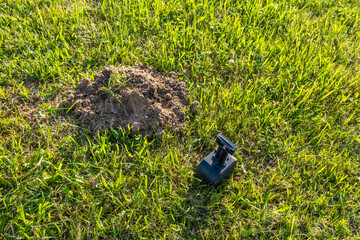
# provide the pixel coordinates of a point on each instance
(140, 97)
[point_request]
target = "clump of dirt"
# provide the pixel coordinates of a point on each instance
(140, 97)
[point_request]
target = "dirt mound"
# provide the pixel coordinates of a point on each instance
(139, 97)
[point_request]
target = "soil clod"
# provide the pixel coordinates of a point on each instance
(194, 106)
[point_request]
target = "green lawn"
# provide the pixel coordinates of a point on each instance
(279, 78)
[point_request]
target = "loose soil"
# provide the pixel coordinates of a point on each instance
(140, 97)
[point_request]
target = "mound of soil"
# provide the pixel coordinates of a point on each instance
(140, 97)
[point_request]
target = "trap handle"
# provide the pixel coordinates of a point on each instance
(225, 147)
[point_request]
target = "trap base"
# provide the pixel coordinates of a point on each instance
(212, 171)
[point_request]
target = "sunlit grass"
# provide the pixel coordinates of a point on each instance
(280, 79)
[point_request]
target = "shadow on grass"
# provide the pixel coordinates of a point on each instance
(200, 208)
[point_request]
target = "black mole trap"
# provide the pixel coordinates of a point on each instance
(219, 163)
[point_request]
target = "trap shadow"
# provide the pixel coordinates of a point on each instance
(198, 208)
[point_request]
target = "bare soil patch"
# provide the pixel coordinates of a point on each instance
(140, 97)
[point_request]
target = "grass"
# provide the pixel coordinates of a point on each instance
(279, 78)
